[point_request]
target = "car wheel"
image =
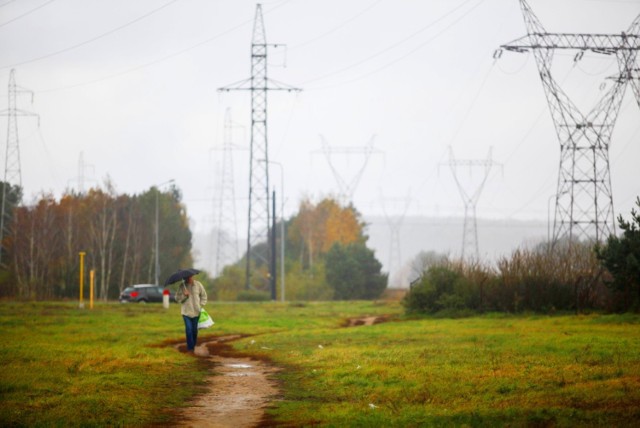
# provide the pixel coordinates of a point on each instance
(142, 301)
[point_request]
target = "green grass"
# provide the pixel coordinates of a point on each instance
(63, 366)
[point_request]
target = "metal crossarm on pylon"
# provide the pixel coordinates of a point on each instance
(347, 187)
(584, 201)
(259, 211)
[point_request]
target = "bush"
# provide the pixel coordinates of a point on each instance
(563, 277)
(546, 279)
(441, 287)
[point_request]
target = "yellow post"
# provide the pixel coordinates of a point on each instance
(82, 253)
(92, 273)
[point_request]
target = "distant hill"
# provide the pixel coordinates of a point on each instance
(496, 238)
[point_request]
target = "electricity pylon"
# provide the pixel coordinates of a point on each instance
(584, 201)
(227, 234)
(470, 247)
(82, 168)
(12, 168)
(347, 188)
(395, 224)
(259, 211)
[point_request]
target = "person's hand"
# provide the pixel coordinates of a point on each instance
(186, 291)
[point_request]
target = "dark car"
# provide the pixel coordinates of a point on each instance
(143, 293)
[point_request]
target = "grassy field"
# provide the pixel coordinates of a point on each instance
(115, 365)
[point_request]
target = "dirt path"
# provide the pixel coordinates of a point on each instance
(239, 388)
(238, 391)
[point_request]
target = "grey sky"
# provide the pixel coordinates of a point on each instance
(133, 86)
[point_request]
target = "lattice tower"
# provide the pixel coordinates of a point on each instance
(470, 196)
(12, 165)
(227, 229)
(259, 215)
(584, 201)
(347, 186)
(395, 222)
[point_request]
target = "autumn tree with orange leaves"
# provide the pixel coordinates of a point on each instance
(328, 243)
(318, 227)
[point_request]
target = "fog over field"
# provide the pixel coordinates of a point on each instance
(496, 238)
(394, 92)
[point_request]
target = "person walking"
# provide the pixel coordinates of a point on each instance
(192, 296)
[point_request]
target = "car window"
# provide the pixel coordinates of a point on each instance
(128, 290)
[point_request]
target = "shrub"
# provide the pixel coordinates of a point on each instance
(441, 287)
(546, 279)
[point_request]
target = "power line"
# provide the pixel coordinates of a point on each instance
(336, 28)
(8, 2)
(86, 42)
(398, 43)
(473, 103)
(26, 13)
(161, 59)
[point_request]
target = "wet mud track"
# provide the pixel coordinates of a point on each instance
(240, 388)
(237, 393)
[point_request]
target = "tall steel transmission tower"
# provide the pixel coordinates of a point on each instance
(395, 225)
(259, 216)
(82, 176)
(227, 233)
(347, 187)
(12, 168)
(584, 201)
(470, 248)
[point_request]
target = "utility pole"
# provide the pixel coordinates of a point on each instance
(584, 201)
(12, 168)
(272, 242)
(258, 85)
(470, 247)
(346, 187)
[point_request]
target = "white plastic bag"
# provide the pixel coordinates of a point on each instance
(205, 320)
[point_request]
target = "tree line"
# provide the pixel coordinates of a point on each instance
(42, 241)
(326, 258)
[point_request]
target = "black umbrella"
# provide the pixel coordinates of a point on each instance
(180, 275)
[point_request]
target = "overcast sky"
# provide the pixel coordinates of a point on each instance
(132, 85)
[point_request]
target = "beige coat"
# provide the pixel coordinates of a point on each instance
(192, 303)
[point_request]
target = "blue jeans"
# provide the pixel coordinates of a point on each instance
(191, 330)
